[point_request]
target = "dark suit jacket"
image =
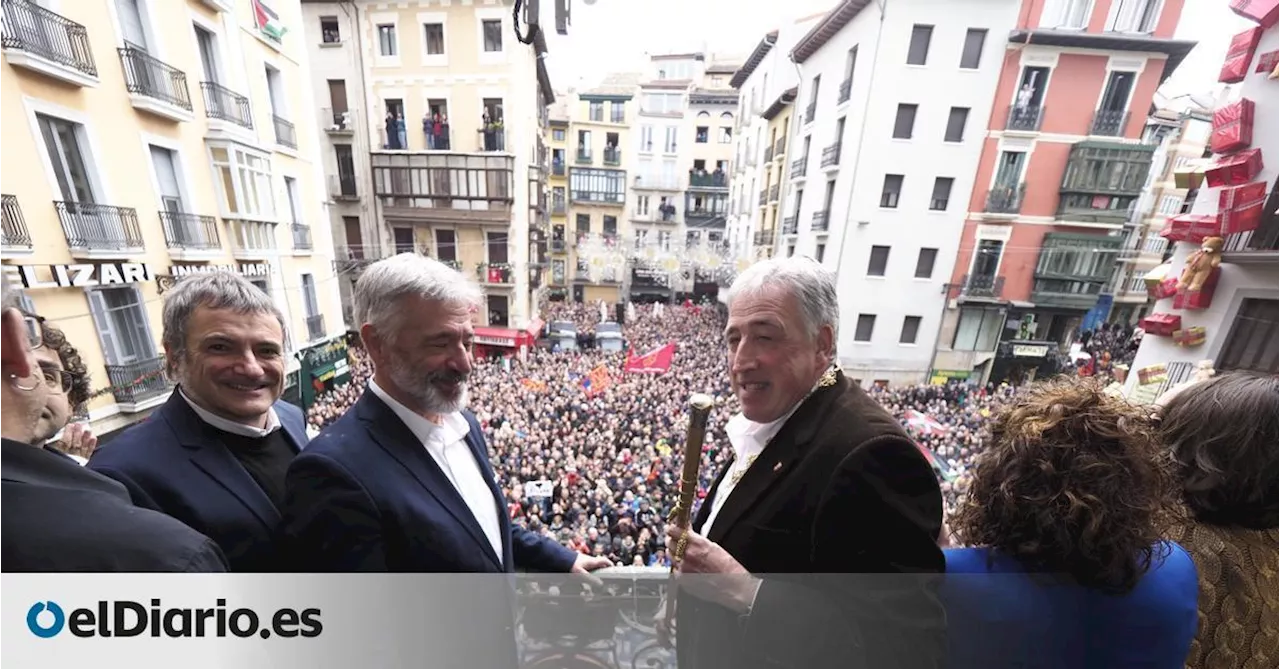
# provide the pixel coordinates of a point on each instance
(367, 496)
(175, 462)
(61, 517)
(839, 515)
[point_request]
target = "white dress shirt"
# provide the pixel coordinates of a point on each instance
(273, 421)
(447, 444)
(748, 439)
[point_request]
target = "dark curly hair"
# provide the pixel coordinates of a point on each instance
(1223, 436)
(1072, 483)
(56, 340)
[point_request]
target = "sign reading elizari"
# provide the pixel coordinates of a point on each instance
(79, 276)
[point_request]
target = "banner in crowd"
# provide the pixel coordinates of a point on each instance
(939, 463)
(657, 361)
(597, 381)
(924, 425)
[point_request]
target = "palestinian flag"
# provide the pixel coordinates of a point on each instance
(268, 21)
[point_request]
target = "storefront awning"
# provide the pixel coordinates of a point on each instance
(505, 337)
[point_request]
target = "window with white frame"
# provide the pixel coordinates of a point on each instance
(65, 143)
(669, 142)
(1070, 14)
(387, 39)
(120, 317)
(244, 179)
(433, 36)
(1134, 16)
(492, 31)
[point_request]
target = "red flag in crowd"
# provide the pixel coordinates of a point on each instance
(657, 361)
(597, 381)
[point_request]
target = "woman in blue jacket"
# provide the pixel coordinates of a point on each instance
(1065, 566)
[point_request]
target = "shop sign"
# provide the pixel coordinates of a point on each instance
(1030, 351)
(488, 340)
(79, 275)
(243, 269)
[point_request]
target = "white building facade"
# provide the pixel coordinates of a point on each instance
(1241, 321)
(888, 133)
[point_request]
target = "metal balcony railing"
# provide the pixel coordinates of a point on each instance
(831, 155)
(99, 227)
(301, 236)
(790, 226)
(136, 382)
(764, 238)
(821, 221)
(315, 327)
(708, 180)
(982, 285)
(286, 134)
(1263, 240)
(31, 28)
(774, 191)
(764, 195)
(189, 231)
(557, 168)
(343, 187)
(341, 122)
(15, 233)
(768, 153)
(810, 112)
(225, 104)
(612, 157)
(799, 166)
(146, 75)
(582, 156)
(1005, 199)
(846, 87)
(557, 246)
(1109, 122)
(778, 147)
(1024, 118)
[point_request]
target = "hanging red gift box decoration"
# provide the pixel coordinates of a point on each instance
(1232, 127)
(1240, 208)
(1193, 228)
(1234, 170)
(1239, 56)
(1161, 325)
(1199, 299)
(1264, 12)
(1267, 62)
(1192, 336)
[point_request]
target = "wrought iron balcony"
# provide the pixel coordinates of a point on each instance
(774, 191)
(1005, 199)
(1261, 243)
(557, 168)
(315, 327)
(495, 273)
(764, 196)
(831, 155)
(343, 187)
(708, 180)
(1024, 118)
(301, 236)
(846, 88)
(190, 231)
(341, 122)
(136, 382)
(16, 235)
(778, 147)
(558, 246)
(821, 221)
(768, 153)
(810, 112)
(764, 238)
(286, 135)
(789, 225)
(1109, 122)
(147, 75)
(99, 227)
(612, 157)
(224, 104)
(558, 205)
(982, 285)
(798, 166)
(583, 156)
(51, 37)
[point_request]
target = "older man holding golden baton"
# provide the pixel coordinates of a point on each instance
(815, 546)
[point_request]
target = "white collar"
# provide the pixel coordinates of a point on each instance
(749, 437)
(273, 421)
(452, 428)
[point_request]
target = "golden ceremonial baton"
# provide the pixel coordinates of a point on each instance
(699, 410)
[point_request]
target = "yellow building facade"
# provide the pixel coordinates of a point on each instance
(556, 137)
(776, 172)
(148, 140)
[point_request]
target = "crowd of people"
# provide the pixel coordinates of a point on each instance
(598, 470)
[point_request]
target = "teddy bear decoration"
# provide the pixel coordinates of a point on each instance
(1201, 264)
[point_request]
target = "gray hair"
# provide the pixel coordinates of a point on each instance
(386, 281)
(811, 284)
(214, 290)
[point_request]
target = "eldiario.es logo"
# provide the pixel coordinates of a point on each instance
(124, 618)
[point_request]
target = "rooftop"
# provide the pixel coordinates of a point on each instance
(753, 61)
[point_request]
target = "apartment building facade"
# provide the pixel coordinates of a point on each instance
(601, 162)
(885, 145)
(446, 114)
(1062, 163)
(147, 141)
(557, 140)
(767, 85)
(711, 121)
(1181, 138)
(1241, 321)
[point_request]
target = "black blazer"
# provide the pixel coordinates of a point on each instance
(175, 462)
(367, 496)
(840, 515)
(61, 517)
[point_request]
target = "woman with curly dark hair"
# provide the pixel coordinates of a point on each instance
(1222, 432)
(1065, 565)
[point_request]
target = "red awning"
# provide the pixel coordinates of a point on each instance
(497, 336)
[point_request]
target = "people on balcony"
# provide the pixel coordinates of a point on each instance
(395, 131)
(492, 129)
(436, 129)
